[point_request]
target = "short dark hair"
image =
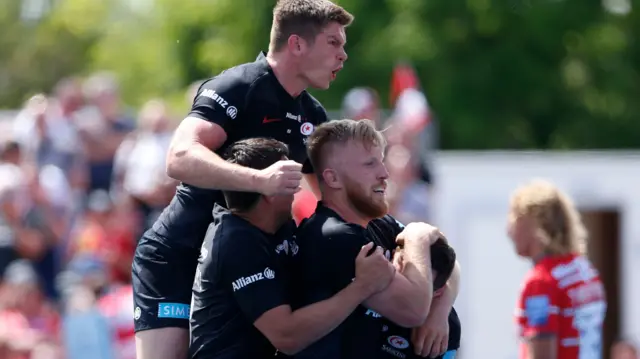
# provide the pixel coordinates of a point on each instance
(341, 132)
(443, 260)
(256, 153)
(305, 18)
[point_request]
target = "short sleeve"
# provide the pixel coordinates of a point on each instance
(250, 268)
(538, 308)
(220, 100)
(386, 229)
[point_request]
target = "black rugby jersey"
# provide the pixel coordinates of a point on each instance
(247, 101)
(242, 274)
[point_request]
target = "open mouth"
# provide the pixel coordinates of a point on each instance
(334, 73)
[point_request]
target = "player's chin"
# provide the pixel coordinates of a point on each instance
(321, 85)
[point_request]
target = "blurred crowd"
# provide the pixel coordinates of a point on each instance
(81, 176)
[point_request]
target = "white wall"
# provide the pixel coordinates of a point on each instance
(471, 208)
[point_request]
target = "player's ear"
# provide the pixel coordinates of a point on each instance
(296, 45)
(331, 178)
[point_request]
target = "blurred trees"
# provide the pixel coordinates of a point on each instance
(499, 74)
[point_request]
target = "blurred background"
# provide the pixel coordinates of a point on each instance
(476, 96)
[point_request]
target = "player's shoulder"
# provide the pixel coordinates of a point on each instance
(228, 230)
(325, 225)
(238, 79)
(538, 281)
(387, 222)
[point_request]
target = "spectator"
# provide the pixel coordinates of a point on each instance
(103, 126)
(139, 167)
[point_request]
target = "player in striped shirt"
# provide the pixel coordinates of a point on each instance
(562, 303)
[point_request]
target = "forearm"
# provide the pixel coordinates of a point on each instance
(199, 166)
(407, 300)
(313, 322)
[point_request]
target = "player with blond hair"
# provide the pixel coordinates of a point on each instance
(562, 303)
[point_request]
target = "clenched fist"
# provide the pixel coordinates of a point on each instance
(281, 178)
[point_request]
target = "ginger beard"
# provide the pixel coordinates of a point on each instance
(366, 201)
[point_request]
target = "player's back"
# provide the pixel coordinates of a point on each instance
(564, 296)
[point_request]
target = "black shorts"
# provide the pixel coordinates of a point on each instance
(162, 278)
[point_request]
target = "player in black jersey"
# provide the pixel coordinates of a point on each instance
(241, 303)
(353, 198)
(399, 342)
(266, 98)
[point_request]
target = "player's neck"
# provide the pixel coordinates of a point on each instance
(345, 211)
(289, 80)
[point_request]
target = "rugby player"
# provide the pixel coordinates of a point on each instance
(240, 306)
(348, 157)
(562, 303)
(265, 98)
(427, 340)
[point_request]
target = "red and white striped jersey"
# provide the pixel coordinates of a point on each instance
(563, 296)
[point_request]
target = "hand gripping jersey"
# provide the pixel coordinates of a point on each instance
(563, 296)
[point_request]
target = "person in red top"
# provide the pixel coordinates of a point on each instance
(562, 305)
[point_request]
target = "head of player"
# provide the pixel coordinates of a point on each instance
(348, 157)
(544, 222)
(268, 213)
(307, 41)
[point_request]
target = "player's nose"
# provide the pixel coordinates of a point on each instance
(384, 173)
(342, 56)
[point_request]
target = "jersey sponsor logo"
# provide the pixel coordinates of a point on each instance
(288, 247)
(373, 313)
(270, 120)
(537, 310)
(232, 112)
(306, 128)
(398, 342)
(212, 94)
(173, 310)
(396, 353)
(242, 282)
(291, 116)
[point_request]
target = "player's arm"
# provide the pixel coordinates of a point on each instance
(405, 301)
(542, 347)
(265, 303)
(390, 228)
(190, 158)
(539, 316)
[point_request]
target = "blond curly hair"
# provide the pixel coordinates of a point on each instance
(557, 221)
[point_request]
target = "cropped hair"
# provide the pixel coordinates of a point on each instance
(341, 132)
(305, 18)
(256, 153)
